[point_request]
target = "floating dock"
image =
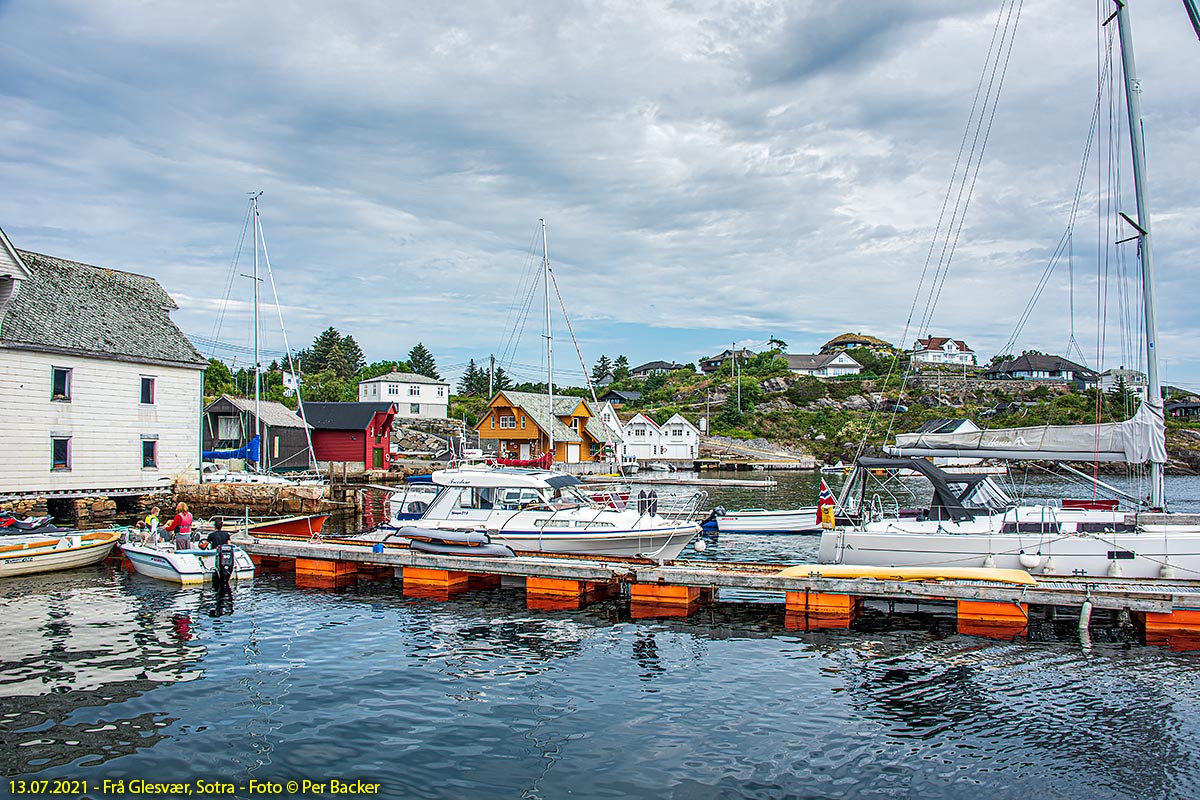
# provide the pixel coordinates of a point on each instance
(1168, 612)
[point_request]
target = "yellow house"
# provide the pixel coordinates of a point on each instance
(519, 423)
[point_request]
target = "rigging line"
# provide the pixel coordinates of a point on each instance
(953, 178)
(990, 69)
(291, 360)
(979, 161)
(521, 308)
(220, 320)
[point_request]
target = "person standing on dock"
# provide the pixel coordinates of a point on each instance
(182, 525)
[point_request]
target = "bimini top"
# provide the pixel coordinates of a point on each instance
(503, 478)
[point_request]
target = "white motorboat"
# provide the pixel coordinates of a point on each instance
(186, 567)
(762, 520)
(543, 511)
(33, 553)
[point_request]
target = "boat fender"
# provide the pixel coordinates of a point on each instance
(699, 546)
(377, 547)
(1166, 571)
(1048, 568)
(990, 561)
(1029, 560)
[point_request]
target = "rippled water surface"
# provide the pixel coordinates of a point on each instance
(106, 675)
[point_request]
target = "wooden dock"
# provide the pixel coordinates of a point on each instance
(1167, 611)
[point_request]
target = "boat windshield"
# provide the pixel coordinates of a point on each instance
(986, 494)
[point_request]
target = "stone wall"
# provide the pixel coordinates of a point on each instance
(257, 499)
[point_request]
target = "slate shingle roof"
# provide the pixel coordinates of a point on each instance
(274, 414)
(405, 377)
(343, 416)
(77, 308)
(1038, 362)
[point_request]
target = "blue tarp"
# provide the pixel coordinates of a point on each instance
(249, 452)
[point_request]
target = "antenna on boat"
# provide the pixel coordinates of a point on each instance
(549, 343)
(1134, 108)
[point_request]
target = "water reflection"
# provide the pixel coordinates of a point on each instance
(76, 647)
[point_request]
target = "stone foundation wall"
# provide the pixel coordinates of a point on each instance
(257, 499)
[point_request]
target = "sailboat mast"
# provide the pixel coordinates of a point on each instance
(549, 341)
(1134, 107)
(257, 360)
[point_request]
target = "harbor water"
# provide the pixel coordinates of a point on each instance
(109, 676)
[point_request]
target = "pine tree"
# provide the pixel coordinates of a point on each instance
(318, 354)
(620, 369)
(469, 382)
(353, 356)
(420, 360)
(602, 369)
(500, 380)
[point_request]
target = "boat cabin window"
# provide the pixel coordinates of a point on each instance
(515, 499)
(476, 498)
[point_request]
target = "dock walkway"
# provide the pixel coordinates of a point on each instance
(812, 601)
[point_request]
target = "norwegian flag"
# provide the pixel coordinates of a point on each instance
(825, 498)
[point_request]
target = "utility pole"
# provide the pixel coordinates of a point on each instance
(491, 375)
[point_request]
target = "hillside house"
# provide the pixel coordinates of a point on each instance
(1041, 367)
(416, 396)
(644, 371)
(620, 398)
(1134, 381)
(850, 341)
(940, 350)
(100, 390)
(351, 436)
(827, 365)
(713, 363)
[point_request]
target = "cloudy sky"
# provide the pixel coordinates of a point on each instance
(709, 172)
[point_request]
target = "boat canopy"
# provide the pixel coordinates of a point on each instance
(956, 497)
(504, 478)
(1137, 440)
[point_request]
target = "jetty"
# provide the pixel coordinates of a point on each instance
(1166, 611)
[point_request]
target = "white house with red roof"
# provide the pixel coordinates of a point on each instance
(941, 350)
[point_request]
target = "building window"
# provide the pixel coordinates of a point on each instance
(228, 429)
(493, 420)
(414, 408)
(441, 391)
(522, 422)
(414, 391)
(60, 384)
(147, 390)
(508, 422)
(393, 389)
(149, 454)
(575, 424)
(60, 454)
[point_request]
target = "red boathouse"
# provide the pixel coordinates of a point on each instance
(358, 435)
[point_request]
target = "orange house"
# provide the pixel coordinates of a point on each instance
(519, 423)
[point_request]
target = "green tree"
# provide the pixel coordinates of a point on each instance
(602, 369)
(469, 382)
(377, 368)
(620, 369)
(500, 380)
(217, 379)
(328, 387)
(420, 360)
(333, 351)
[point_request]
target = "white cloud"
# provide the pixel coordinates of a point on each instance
(708, 171)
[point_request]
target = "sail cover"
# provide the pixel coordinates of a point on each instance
(1134, 441)
(248, 452)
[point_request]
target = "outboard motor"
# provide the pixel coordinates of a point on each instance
(710, 522)
(226, 563)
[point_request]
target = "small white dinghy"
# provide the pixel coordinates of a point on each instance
(33, 553)
(185, 567)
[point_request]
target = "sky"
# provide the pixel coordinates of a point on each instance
(710, 173)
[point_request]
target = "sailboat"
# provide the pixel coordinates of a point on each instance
(263, 425)
(971, 522)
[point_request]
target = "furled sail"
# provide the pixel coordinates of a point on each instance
(1137, 440)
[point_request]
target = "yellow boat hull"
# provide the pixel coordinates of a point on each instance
(1016, 576)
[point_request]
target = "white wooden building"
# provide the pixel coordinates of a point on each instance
(645, 440)
(416, 396)
(941, 350)
(823, 365)
(99, 389)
